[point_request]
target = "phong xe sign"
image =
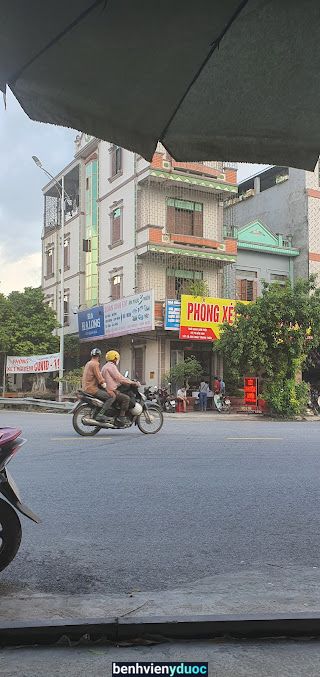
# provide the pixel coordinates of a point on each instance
(201, 318)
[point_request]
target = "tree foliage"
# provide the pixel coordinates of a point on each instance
(27, 323)
(272, 338)
(183, 372)
(198, 288)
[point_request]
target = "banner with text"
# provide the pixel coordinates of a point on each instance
(91, 323)
(201, 318)
(33, 364)
(129, 315)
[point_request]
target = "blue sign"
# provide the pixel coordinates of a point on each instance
(91, 323)
(172, 317)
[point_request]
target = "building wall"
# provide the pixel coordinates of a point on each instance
(264, 264)
(284, 209)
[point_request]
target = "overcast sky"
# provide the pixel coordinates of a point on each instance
(20, 190)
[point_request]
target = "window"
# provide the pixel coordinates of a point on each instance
(116, 160)
(246, 285)
(116, 285)
(66, 253)
(178, 282)
(66, 309)
(139, 364)
(49, 262)
(184, 217)
(116, 225)
(279, 278)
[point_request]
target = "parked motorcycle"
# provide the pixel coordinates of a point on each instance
(147, 415)
(314, 402)
(167, 401)
(10, 525)
(152, 393)
(222, 403)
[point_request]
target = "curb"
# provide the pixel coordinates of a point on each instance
(117, 630)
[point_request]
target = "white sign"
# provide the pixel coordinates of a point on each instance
(129, 315)
(33, 364)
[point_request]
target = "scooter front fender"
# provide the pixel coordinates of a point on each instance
(9, 490)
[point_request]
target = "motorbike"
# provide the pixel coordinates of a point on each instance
(167, 401)
(222, 403)
(314, 402)
(145, 414)
(10, 525)
(152, 394)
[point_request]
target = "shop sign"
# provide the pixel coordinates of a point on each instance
(172, 316)
(91, 323)
(32, 364)
(129, 315)
(201, 318)
(251, 390)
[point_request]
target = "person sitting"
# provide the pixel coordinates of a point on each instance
(94, 383)
(182, 397)
(114, 379)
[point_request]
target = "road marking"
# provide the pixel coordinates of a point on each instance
(69, 439)
(254, 438)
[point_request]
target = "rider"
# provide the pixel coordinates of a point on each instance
(113, 379)
(94, 383)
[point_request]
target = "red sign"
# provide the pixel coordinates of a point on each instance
(197, 333)
(251, 390)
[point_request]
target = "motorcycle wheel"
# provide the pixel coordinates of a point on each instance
(10, 534)
(150, 421)
(82, 428)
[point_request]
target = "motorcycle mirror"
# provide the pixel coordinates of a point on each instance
(126, 373)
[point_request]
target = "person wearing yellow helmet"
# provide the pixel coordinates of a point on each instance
(113, 379)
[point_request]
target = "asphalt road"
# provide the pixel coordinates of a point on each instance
(124, 511)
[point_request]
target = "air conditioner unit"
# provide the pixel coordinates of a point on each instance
(166, 164)
(165, 238)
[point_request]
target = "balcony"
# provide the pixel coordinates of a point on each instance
(153, 239)
(204, 176)
(52, 201)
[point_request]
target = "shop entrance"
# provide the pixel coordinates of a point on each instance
(202, 351)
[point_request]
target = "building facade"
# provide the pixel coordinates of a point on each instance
(262, 256)
(133, 227)
(287, 201)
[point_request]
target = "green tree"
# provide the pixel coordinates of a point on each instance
(272, 338)
(190, 369)
(27, 323)
(198, 288)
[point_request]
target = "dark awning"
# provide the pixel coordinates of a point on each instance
(223, 80)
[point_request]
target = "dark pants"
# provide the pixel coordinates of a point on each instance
(103, 395)
(203, 397)
(124, 401)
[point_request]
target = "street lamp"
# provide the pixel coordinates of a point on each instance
(62, 193)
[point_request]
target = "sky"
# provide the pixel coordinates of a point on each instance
(21, 205)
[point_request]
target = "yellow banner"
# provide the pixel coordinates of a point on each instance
(201, 318)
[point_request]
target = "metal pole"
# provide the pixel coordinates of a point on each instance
(61, 292)
(4, 375)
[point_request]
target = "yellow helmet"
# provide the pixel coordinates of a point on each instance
(112, 355)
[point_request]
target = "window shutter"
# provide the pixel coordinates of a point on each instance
(243, 290)
(254, 290)
(238, 289)
(116, 226)
(171, 293)
(170, 218)
(198, 222)
(113, 161)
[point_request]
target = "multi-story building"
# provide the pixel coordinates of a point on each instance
(133, 226)
(287, 202)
